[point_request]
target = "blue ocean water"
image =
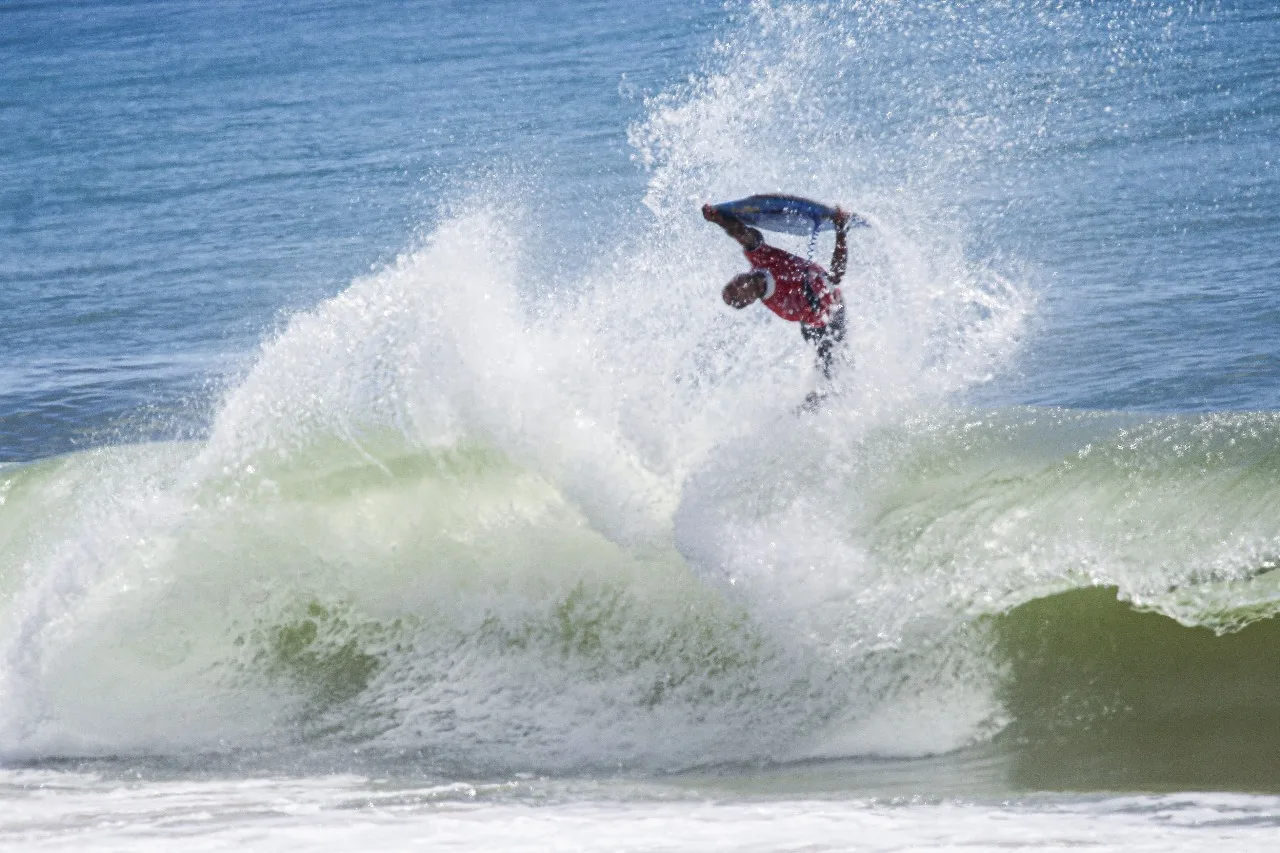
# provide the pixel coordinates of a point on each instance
(177, 178)
(177, 175)
(368, 407)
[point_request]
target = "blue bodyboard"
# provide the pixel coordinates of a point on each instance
(786, 213)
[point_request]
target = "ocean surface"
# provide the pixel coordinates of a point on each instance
(380, 468)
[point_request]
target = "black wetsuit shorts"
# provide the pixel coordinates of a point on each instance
(825, 339)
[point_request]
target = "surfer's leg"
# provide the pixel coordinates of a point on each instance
(821, 340)
(825, 339)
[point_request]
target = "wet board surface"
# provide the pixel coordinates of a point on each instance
(788, 214)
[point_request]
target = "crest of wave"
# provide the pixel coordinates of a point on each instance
(439, 346)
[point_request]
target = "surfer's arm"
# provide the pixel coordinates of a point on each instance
(748, 237)
(840, 257)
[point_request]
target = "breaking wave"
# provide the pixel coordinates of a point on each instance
(465, 516)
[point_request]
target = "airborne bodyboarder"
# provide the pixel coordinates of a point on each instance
(791, 287)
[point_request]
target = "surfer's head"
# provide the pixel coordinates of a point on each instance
(744, 289)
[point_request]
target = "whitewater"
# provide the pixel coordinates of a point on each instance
(517, 540)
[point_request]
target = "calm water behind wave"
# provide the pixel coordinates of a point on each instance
(176, 174)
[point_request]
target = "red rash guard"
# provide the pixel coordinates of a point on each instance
(784, 287)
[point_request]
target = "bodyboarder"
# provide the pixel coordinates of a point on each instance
(791, 287)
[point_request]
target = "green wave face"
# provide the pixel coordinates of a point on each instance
(1154, 667)
(1104, 696)
(1088, 597)
(446, 606)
